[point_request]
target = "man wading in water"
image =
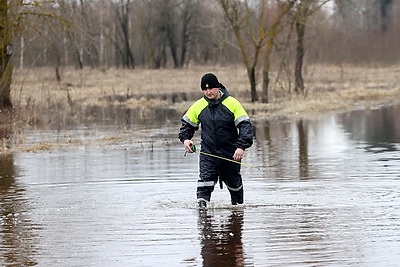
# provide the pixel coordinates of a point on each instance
(226, 131)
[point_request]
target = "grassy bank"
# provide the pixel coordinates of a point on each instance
(328, 88)
(43, 102)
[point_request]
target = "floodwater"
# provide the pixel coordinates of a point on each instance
(327, 194)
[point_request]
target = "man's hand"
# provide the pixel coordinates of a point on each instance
(239, 153)
(188, 146)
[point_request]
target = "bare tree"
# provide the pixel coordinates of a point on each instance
(172, 28)
(81, 15)
(245, 22)
(6, 69)
(153, 34)
(169, 14)
(188, 13)
(283, 8)
(366, 14)
(122, 39)
(301, 11)
(12, 18)
(384, 6)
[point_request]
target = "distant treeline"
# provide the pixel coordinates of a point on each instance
(178, 33)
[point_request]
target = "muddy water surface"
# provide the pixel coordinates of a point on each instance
(327, 194)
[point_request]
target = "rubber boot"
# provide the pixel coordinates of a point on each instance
(202, 204)
(237, 197)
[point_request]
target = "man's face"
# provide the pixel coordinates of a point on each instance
(211, 93)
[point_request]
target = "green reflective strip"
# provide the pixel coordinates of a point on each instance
(236, 108)
(192, 115)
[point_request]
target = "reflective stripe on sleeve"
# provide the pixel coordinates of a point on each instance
(185, 118)
(240, 119)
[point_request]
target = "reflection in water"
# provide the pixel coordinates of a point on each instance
(379, 128)
(271, 140)
(297, 148)
(17, 246)
(120, 116)
(303, 148)
(221, 239)
(274, 142)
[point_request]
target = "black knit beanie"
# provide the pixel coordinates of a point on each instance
(209, 80)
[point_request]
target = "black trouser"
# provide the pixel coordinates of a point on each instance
(229, 172)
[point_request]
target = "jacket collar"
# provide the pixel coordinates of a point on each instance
(224, 94)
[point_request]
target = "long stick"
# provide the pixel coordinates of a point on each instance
(231, 160)
(215, 156)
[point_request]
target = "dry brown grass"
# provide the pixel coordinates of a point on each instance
(328, 88)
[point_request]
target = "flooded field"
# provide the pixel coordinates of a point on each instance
(327, 194)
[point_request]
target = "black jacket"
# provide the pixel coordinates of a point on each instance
(225, 125)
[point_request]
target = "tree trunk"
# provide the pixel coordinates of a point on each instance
(283, 9)
(124, 49)
(299, 82)
(265, 85)
(6, 69)
(253, 83)
(5, 87)
(267, 65)
(173, 45)
(185, 34)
